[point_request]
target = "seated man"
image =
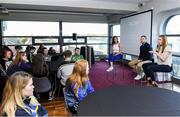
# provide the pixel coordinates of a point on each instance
(144, 57)
(77, 55)
(66, 67)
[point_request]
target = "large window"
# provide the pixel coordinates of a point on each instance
(95, 35)
(30, 33)
(30, 28)
(172, 31)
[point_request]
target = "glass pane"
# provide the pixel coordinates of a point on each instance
(116, 30)
(46, 40)
(71, 47)
(174, 42)
(17, 41)
(97, 40)
(84, 29)
(173, 26)
(30, 28)
(100, 49)
(176, 66)
(70, 40)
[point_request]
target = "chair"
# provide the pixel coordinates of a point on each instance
(66, 104)
(41, 84)
(63, 73)
(165, 75)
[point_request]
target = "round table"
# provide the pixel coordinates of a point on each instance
(131, 101)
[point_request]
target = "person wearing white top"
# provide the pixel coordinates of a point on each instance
(116, 53)
(164, 60)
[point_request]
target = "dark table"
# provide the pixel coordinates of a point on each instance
(131, 101)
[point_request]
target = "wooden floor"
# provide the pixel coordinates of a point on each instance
(56, 107)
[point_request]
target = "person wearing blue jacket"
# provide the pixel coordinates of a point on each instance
(78, 85)
(18, 99)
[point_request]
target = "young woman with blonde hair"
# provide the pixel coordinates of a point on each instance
(164, 60)
(18, 99)
(78, 85)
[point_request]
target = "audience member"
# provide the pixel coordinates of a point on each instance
(40, 69)
(30, 54)
(5, 60)
(18, 99)
(19, 64)
(78, 85)
(164, 60)
(66, 67)
(47, 57)
(144, 57)
(77, 55)
(40, 49)
(116, 53)
(51, 51)
(18, 49)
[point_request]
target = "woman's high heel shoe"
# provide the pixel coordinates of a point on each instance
(154, 84)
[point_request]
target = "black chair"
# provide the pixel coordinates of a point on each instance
(164, 76)
(41, 84)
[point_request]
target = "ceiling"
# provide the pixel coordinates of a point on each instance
(128, 1)
(89, 7)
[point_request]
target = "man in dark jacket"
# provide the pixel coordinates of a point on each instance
(144, 57)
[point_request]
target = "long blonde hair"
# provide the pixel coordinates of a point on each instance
(12, 94)
(164, 44)
(79, 75)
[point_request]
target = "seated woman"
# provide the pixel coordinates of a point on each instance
(78, 85)
(164, 60)
(40, 69)
(19, 64)
(116, 53)
(18, 99)
(6, 59)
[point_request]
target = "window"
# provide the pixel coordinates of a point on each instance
(84, 29)
(172, 31)
(173, 26)
(30, 33)
(91, 34)
(46, 40)
(17, 41)
(30, 28)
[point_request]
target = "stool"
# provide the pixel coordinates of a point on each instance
(164, 75)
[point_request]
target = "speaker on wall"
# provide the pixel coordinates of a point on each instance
(74, 36)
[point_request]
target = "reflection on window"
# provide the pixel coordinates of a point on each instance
(173, 25)
(30, 28)
(91, 40)
(17, 41)
(46, 40)
(85, 29)
(100, 49)
(70, 40)
(176, 66)
(174, 42)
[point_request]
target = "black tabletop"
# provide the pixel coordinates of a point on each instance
(131, 101)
